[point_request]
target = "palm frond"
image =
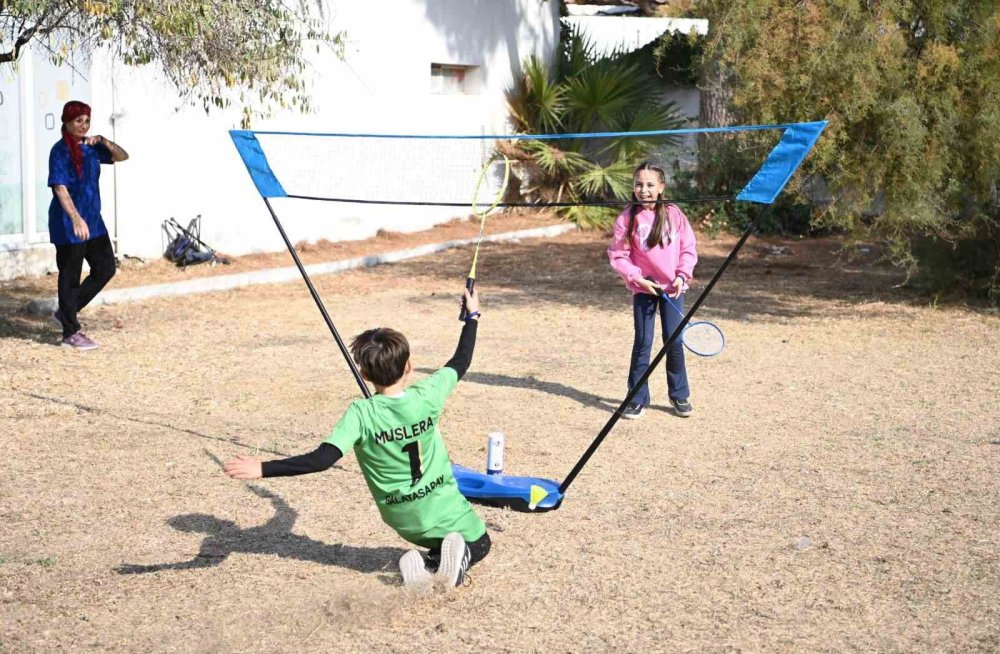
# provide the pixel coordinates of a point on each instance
(596, 96)
(600, 182)
(535, 101)
(590, 216)
(553, 160)
(646, 118)
(576, 54)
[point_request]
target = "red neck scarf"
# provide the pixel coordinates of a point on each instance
(72, 110)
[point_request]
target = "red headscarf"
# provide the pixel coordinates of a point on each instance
(71, 110)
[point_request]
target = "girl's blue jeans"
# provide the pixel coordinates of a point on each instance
(644, 310)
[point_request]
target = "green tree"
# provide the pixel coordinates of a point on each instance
(585, 93)
(215, 52)
(912, 92)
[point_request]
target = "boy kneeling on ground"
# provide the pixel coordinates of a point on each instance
(402, 455)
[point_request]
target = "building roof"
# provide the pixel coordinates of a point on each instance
(611, 33)
(600, 10)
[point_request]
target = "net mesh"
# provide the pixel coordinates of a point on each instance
(374, 169)
(547, 170)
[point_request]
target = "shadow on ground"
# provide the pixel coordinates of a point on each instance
(17, 323)
(771, 279)
(154, 420)
(534, 384)
(274, 538)
(766, 281)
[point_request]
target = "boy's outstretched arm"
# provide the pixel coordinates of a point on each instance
(462, 358)
(244, 467)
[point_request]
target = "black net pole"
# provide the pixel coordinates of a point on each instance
(319, 303)
(661, 354)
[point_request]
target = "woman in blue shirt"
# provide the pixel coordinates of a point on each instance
(75, 224)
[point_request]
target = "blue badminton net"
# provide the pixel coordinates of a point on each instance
(442, 170)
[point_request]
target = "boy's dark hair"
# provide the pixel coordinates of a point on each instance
(381, 355)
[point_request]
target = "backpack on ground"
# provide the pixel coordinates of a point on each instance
(184, 244)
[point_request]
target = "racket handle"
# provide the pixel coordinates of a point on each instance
(668, 300)
(470, 283)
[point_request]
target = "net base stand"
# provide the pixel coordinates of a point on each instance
(525, 494)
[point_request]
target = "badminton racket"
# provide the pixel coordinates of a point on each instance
(482, 208)
(703, 338)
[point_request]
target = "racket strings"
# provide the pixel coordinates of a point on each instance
(490, 205)
(703, 338)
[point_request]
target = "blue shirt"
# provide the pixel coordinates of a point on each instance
(84, 190)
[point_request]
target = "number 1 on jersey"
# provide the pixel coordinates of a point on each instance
(413, 451)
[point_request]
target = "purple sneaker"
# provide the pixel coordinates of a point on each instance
(79, 342)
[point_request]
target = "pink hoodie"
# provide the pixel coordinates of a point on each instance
(633, 260)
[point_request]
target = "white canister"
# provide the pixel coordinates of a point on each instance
(494, 453)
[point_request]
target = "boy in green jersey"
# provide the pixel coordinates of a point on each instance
(402, 455)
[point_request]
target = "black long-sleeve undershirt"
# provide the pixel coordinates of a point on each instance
(462, 358)
(318, 460)
(324, 456)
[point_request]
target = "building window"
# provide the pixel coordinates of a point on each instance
(454, 79)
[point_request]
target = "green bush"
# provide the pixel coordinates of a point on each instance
(912, 94)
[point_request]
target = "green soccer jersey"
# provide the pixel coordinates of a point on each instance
(405, 462)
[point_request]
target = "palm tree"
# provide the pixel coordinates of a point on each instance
(587, 93)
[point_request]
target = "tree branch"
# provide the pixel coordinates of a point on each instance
(38, 29)
(19, 43)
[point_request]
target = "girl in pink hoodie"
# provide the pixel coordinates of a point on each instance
(654, 251)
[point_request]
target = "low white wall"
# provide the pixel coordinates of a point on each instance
(23, 259)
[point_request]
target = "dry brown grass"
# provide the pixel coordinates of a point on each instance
(837, 488)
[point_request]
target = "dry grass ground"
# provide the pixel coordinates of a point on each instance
(836, 489)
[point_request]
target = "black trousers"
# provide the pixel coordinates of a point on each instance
(74, 295)
(478, 549)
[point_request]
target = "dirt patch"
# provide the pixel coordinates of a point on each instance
(16, 294)
(837, 487)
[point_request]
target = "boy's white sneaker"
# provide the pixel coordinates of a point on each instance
(455, 557)
(416, 578)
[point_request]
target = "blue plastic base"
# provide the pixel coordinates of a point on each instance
(508, 490)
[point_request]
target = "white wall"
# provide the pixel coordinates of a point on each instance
(183, 162)
(32, 93)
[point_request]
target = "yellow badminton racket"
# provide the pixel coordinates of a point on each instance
(478, 209)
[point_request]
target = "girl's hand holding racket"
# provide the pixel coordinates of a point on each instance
(651, 287)
(676, 289)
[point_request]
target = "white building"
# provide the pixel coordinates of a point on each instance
(410, 66)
